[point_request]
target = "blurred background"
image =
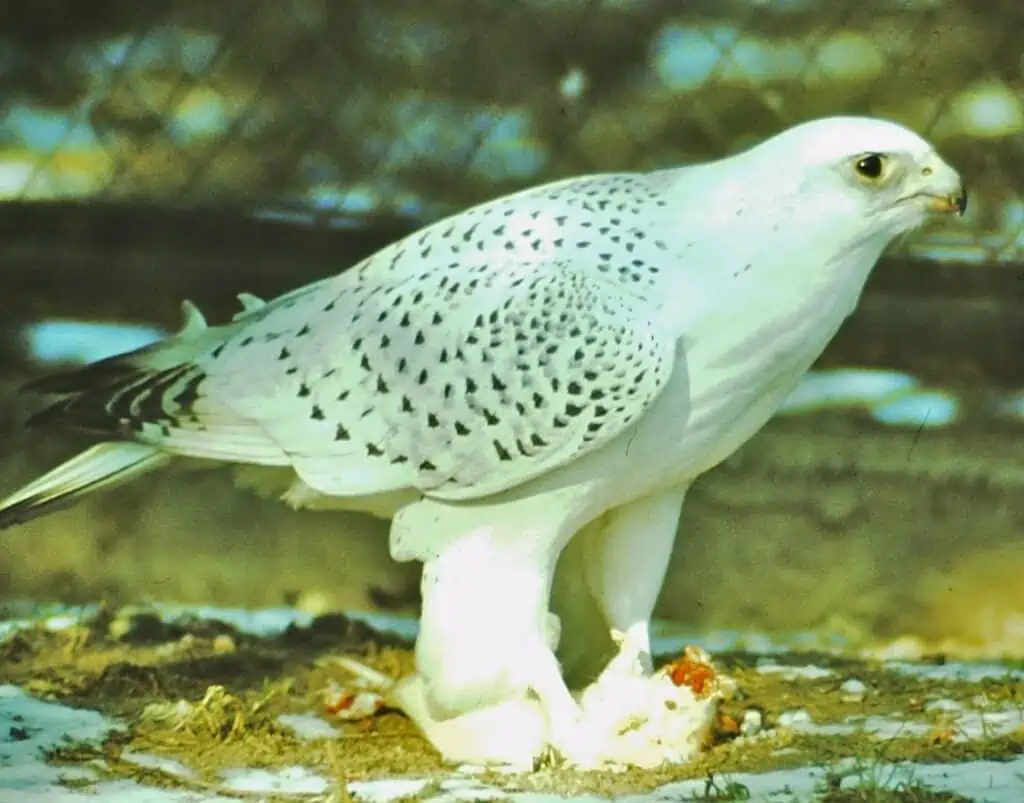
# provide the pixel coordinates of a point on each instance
(151, 152)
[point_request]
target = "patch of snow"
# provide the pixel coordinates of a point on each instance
(405, 627)
(29, 727)
(263, 622)
(167, 765)
(981, 781)
(288, 781)
(807, 672)
(386, 790)
(120, 791)
(266, 622)
(669, 639)
(796, 719)
(966, 725)
(307, 726)
(955, 670)
(877, 726)
(988, 724)
(469, 794)
(943, 704)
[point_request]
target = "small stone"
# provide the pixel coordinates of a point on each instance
(853, 690)
(753, 722)
(796, 718)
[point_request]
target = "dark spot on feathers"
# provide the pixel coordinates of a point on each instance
(188, 395)
(502, 452)
(406, 405)
(497, 384)
(373, 450)
(247, 341)
(284, 355)
(461, 429)
(426, 465)
(317, 414)
(432, 421)
(304, 390)
(573, 410)
(489, 417)
(382, 386)
(341, 434)
(303, 331)
(365, 363)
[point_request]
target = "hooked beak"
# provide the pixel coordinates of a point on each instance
(942, 188)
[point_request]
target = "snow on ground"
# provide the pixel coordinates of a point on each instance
(29, 727)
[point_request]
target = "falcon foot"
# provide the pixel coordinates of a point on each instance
(626, 718)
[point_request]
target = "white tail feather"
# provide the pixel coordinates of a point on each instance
(101, 466)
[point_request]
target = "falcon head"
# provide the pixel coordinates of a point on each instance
(869, 177)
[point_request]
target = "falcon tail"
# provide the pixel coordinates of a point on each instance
(102, 466)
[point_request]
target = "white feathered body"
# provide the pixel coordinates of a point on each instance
(503, 377)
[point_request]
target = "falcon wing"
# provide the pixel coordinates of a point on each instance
(459, 384)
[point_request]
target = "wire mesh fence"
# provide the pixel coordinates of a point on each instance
(361, 107)
(334, 110)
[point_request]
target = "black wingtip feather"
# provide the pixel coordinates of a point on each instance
(96, 376)
(34, 508)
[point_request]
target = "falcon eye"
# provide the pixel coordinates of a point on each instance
(871, 166)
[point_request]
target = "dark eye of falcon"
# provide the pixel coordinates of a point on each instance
(870, 166)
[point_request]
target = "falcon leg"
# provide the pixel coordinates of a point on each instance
(485, 655)
(638, 717)
(624, 565)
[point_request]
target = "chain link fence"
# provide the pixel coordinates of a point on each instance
(391, 113)
(358, 108)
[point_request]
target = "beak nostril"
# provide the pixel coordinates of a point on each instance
(926, 171)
